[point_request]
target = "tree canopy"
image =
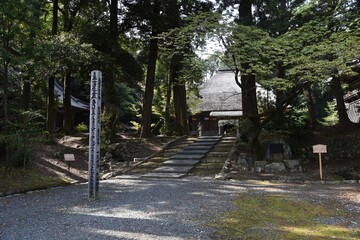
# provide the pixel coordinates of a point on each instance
(305, 52)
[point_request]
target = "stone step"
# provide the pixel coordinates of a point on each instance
(228, 138)
(203, 144)
(181, 162)
(187, 156)
(207, 140)
(173, 169)
(191, 151)
(208, 147)
(210, 137)
(225, 144)
(164, 175)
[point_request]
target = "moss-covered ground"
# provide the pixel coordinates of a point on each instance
(277, 217)
(15, 180)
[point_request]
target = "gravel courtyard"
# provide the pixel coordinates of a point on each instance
(135, 208)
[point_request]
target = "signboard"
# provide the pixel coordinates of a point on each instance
(319, 148)
(94, 134)
(69, 157)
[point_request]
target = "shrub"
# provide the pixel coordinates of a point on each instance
(20, 133)
(20, 157)
(81, 127)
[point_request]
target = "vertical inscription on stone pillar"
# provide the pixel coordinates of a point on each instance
(94, 134)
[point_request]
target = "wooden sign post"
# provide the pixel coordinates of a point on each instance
(69, 158)
(320, 148)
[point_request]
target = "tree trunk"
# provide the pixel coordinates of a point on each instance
(339, 96)
(179, 89)
(26, 93)
(68, 116)
(110, 114)
(6, 112)
(149, 89)
(51, 95)
(245, 12)
(167, 105)
(310, 104)
(248, 84)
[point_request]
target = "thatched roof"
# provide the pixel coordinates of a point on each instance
(221, 93)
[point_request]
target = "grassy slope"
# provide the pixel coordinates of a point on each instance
(20, 180)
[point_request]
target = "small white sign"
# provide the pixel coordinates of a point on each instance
(69, 157)
(320, 148)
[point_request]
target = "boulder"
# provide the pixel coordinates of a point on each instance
(260, 164)
(118, 151)
(292, 164)
(275, 167)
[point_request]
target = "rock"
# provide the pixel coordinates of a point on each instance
(108, 156)
(300, 169)
(274, 167)
(107, 176)
(221, 176)
(242, 162)
(292, 164)
(258, 169)
(244, 159)
(260, 164)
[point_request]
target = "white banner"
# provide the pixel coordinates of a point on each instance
(94, 134)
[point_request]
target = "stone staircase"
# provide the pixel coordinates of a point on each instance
(213, 162)
(196, 156)
(183, 161)
(160, 158)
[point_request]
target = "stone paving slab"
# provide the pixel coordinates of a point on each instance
(207, 147)
(202, 144)
(187, 156)
(206, 140)
(180, 162)
(209, 137)
(164, 175)
(192, 151)
(174, 169)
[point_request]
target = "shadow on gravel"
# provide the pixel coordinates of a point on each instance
(136, 208)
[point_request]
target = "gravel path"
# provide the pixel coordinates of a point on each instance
(132, 208)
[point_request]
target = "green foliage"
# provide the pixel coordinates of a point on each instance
(23, 130)
(81, 127)
(293, 123)
(332, 118)
(21, 157)
(67, 54)
(135, 126)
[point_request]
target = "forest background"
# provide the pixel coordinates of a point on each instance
(305, 52)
